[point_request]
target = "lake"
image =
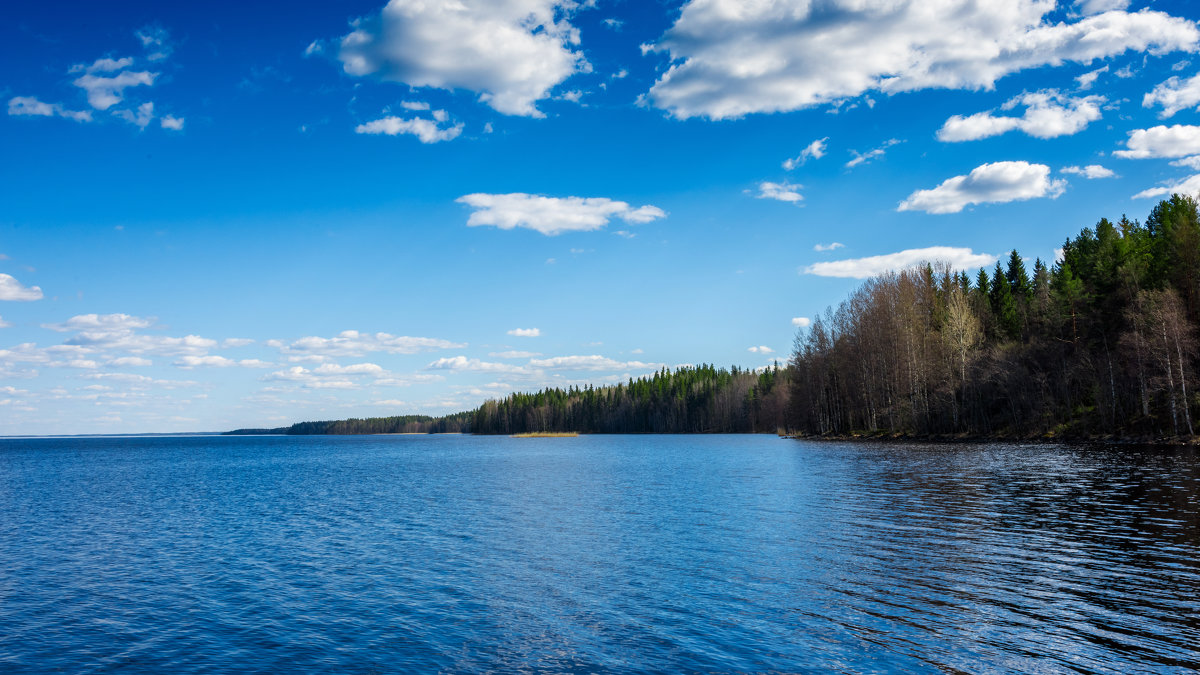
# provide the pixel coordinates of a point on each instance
(595, 554)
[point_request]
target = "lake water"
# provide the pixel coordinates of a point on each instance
(594, 554)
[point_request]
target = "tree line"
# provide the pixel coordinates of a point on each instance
(1102, 342)
(402, 424)
(699, 399)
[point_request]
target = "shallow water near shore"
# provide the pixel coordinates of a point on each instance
(594, 554)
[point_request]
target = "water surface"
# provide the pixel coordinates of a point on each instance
(594, 554)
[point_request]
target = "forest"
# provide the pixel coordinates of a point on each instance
(1099, 344)
(403, 424)
(1102, 344)
(701, 399)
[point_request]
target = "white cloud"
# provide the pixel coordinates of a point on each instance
(1187, 186)
(801, 322)
(862, 157)
(129, 361)
(814, 150)
(525, 332)
(12, 290)
(512, 53)
(308, 379)
(552, 215)
(1091, 171)
(514, 354)
(152, 36)
(145, 113)
(104, 65)
(1174, 95)
(354, 343)
(414, 105)
(353, 369)
(862, 268)
(105, 92)
(1179, 140)
(784, 192)
(462, 363)
(993, 183)
(763, 349)
(236, 342)
(28, 105)
(427, 131)
(210, 360)
(821, 248)
(591, 362)
(1048, 114)
(731, 57)
(104, 322)
(171, 122)
(1192, 162)
(4, 324)
(1087, 79)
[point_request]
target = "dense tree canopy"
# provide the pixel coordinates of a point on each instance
(1102, 344)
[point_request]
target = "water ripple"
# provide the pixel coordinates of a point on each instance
(595, 554)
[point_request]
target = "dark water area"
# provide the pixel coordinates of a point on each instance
(595, 554)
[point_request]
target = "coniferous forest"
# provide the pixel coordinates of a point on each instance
(1100, 343)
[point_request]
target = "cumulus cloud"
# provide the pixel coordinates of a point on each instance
(1087, 79)
(553, 215)
(801, 322)
(171, 122)
(104, 65)
(1179, 140)
(145, 113)
(100, 322)
(214, 361)
(354, 343)
(28, 105)
(129, 362)
(814, 150)
(784, 192)
(1091, 171)
(993, 183)
(731, 58)
(1174, 95)
(4, 324)
(426, 131)
(464, 364)
(12, 290)
(104, 92)
(863, 157)
(514, 354)
(1187, 186)
(762, 349)
(1048, 114)
(862, 268)
(821, 248)
(511, 53)
(525, 332)
(590, 362)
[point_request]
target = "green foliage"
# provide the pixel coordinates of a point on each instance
(700, 399)
(1103, 342)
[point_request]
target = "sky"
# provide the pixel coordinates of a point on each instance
(218, 215)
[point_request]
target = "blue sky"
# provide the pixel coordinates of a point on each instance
(219, 215)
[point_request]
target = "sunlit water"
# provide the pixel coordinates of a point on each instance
(598, 553)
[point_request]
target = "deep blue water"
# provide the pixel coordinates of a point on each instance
(592, 554)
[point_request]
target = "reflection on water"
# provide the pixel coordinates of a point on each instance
(618, 553)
